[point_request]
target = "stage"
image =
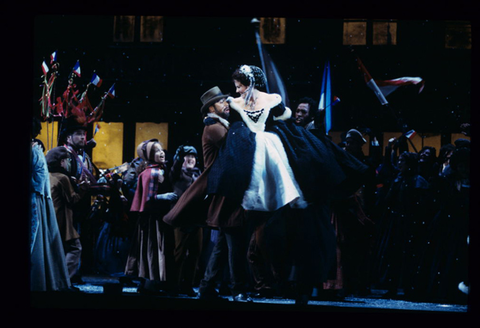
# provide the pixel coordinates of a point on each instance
(103, 292)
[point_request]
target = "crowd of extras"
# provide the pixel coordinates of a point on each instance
(402, 234)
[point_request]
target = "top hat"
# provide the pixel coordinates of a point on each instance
(211, 96)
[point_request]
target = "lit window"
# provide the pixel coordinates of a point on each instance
(354, 32)
(384, 33)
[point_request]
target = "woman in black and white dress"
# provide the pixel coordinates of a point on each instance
(269, 164)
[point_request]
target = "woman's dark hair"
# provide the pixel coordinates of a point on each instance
(258, 75)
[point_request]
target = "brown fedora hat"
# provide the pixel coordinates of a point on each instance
(211, 96)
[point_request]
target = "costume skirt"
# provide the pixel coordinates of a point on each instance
(47, 259)
(273, 184)
(151, 248)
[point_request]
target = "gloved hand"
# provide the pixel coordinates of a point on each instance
(182, 151)
(168, 196)
(179, 154)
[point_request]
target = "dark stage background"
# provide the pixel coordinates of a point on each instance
(163, 81)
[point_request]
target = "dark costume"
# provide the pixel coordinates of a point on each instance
(82, 168)
(188, 240)
(64, 196)
(221, 213)
(115, 226)
(401, 233)
(444, 259)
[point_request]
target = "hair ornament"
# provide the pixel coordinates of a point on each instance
(248, 72)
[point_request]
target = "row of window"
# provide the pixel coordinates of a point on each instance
(272, 31)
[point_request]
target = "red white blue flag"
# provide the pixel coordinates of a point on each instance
(96, 80)
(383, 88)
(53, 57)
(44, 68)
(410, 134)
(97, 127)
(388, 86)
(111, 92)
(76, 69)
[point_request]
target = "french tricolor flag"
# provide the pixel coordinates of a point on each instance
(53, 57)
(410, 134)
(76, 69)
(97, 127)
(44, 68)
(96, 80)
(111, 92)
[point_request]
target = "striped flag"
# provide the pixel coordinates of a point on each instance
(76, 69)
(96, 80)
(274, 80)
(410, 134)
(382, 88)
(44, 68)
(111, 92)
(97, 127)
(53, 57)
(388, 86)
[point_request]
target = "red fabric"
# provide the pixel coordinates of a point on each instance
(145, 194)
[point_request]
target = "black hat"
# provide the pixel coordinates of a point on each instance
(70, 125)
(55, 156)
(462, 143)
(355, 134)
(211, 96)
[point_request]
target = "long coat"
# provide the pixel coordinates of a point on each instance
(193, 207)
(64, 196)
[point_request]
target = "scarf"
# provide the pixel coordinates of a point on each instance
(223, 121)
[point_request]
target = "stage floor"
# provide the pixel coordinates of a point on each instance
(101, 292)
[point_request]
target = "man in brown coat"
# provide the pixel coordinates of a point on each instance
(63, 197)
(218, 211)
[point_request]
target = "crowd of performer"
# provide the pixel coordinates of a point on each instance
(277, 210)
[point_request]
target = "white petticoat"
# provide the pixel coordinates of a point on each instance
(273, 184)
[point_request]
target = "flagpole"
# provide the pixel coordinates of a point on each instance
(402, 125)
(256, 22)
